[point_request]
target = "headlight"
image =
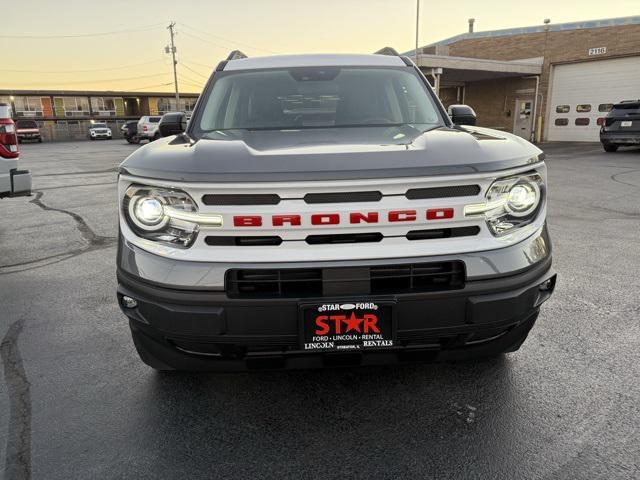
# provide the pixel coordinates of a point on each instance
(512, 202)
(161, 214)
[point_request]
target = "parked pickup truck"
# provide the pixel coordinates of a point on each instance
(324, 210)
(13, 182)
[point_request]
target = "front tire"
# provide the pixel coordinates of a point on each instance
(609, 148)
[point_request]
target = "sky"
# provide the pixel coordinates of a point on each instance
(60, 44)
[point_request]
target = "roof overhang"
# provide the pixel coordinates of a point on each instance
(464, 69)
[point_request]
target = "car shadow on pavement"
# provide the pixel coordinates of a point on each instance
(369, 419)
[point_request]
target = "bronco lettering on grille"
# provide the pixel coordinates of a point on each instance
(353, 218)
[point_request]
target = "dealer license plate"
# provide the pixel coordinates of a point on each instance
(626, 123)
(344, 326)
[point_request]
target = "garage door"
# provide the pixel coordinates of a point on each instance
(583, 92)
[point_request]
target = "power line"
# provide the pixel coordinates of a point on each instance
(223, 47)
(121, 67)
(150, 86)
(232, 42)
(79, 35)
(193, 71)
(110, 79)
(208, 67)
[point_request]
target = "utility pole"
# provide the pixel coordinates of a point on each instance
(175, 62)
(417, 27)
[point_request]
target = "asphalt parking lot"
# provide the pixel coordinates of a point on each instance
(76, 402)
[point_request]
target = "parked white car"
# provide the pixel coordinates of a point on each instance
(100, 130)
(148, 127)
(13, 182)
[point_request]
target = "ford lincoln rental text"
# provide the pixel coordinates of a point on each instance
(324, 210)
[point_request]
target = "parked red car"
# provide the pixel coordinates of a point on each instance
(28, 130)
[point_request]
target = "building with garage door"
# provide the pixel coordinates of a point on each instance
(551, 82)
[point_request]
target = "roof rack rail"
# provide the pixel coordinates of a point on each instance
(392, 52)
(236, 55)
(387, 51)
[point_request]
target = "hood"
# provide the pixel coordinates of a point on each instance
(330, 154)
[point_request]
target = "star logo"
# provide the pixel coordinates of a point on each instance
(353, 323)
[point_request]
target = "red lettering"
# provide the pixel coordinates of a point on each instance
(280, 220)
(321, 322)
(357, 217)
(338, 319)
(439, 213)
(371, 323)
(247, 221)
(325, 219)
(402, 216)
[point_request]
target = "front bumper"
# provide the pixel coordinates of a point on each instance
(207, 330)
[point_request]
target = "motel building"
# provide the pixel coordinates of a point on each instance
(553, 82)
(67, 115)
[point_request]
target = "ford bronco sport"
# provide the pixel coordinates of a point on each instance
(324, 210)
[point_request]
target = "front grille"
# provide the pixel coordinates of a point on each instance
(319, 282)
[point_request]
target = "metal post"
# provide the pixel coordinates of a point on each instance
(417, 27)
(173, 56)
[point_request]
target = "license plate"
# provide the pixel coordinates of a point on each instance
(347, 326)
(626, 123)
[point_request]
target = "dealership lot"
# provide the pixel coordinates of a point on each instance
(76, 402)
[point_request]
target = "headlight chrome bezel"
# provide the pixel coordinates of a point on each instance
(173, 230)
(501, 211)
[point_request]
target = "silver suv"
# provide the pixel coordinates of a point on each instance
(148, 127)
(324, 210)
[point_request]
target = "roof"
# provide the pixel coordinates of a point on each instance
(552, 27)
(315, 60)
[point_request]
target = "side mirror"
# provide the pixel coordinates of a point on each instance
(462, 114)
(172, 124)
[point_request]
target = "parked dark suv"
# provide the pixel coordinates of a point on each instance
(621, 126)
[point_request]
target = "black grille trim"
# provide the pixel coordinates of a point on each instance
(241, 199)
(342, 197)
(252, 241)
(443, 192)
(372, 237)
(443, 233)
(316, 282)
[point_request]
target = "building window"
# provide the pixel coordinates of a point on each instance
(583, 108)
(187, 104)
(582, 121)
(103, 106)
(561, 122)
(28, 106)
(166, 105)
(605, 107)
(563, 109)
(73, 106)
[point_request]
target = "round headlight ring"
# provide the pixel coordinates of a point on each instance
(147, 212)
(523, 198)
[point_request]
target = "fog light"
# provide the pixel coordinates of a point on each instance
(546, 285)
(129, 302)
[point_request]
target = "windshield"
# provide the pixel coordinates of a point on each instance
(99, 125)
(317, 97)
